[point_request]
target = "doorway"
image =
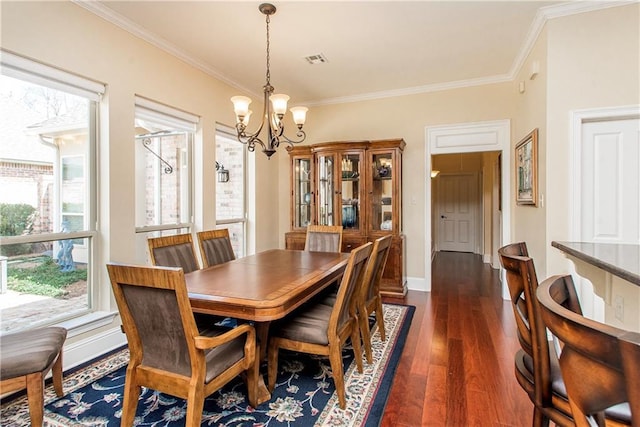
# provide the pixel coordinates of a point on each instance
(477, 137)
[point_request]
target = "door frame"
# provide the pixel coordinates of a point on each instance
(469, 138)
(578, 118)
(591, 305)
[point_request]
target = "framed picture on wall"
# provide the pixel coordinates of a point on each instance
(527, 170)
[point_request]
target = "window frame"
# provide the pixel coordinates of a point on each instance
(30, 71)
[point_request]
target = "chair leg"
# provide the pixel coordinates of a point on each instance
(35, 397)
(366, 333)
(380, 318)
(195, 404)
(539, 419)
(253, 372)
(131, 396)
(272, 363)
(56, 373)
(335, 359)
(357, 350)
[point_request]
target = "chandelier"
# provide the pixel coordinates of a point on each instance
(275, 107)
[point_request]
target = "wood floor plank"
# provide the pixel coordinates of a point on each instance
(457, 365)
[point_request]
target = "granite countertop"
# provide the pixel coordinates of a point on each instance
(622, 260)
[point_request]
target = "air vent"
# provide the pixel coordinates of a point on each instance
(316, 59)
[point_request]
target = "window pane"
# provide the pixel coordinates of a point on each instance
(230, 194)
(45, 176)
(45, 134)
(44, 281)
(163, 182)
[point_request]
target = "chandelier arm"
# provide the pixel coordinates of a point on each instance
(300, 134)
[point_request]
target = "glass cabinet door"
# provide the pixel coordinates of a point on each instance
(350, 188)
(326, 189)
(302, 191)
(382, 192)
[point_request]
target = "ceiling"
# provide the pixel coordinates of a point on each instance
(373, 49)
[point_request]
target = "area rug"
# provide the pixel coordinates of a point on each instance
(304, 394)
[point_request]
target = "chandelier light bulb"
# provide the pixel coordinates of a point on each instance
(279, 102)
(241, 106)
(299, 115)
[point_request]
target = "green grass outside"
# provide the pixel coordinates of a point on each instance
(44, 279)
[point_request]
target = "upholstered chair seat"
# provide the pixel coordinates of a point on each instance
(25, 359)
(168, 352)
(319, 328)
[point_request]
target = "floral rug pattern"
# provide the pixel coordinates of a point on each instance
(304, 393)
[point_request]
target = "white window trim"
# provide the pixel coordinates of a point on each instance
(22, 68)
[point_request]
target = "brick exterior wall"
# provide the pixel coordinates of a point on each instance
(39, 178)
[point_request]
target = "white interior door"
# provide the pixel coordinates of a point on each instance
(456, 221)
(610, 191)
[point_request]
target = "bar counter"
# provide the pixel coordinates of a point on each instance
(614, 271)
(618, 259)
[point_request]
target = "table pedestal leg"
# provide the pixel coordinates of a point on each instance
(262, 333)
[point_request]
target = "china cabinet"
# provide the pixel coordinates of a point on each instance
(357, 185)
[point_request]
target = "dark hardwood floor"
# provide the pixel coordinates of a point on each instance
(457, 365)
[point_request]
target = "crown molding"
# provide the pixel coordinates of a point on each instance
(547, 13)
(415, 90)
(126, 24)
(542, 16)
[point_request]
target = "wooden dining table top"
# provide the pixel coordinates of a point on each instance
(265, 286)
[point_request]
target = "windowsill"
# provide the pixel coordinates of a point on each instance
(88, 322)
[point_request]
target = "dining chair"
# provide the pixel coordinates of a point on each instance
(215, 247)
(26, 358)
(368, 299)
(630, 351)
(590, 360)
(174, 251)
(321, 329)
(536, 363)
(323, 238)
(167, 352)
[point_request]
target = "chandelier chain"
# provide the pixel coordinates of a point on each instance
(268, 54)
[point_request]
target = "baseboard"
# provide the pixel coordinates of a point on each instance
(85, 350)
(486, 258)
(418, 284)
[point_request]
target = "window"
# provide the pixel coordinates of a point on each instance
(47, 218)
(230, 196)
(164, 182)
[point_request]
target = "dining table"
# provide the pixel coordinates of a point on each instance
(263, 287)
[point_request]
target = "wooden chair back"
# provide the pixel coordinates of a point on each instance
(323, 329)
(323, 238)
(537, 380)
(630, 350)
(167, 351)
(590, 361)
(174, 251)
(215, 247)
(369, 299)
